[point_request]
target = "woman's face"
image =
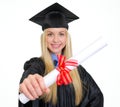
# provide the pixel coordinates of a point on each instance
(56, 39)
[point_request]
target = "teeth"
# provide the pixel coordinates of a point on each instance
(55, 46)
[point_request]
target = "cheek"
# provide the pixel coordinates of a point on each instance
(48, 41)
(64, 41)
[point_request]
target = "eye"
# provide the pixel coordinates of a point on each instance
(49, 34)
(61, 34)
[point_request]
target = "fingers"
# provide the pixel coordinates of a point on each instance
(24, 89)
(33, 86)
(36, 84)
(41, 83)
(30, 87)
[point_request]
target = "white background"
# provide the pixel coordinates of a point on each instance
(20, 40)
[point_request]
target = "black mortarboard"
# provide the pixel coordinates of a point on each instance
(54, 16)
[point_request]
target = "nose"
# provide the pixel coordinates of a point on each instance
(56, 38)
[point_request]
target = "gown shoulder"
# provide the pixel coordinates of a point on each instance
(92, 94)
(32, 66)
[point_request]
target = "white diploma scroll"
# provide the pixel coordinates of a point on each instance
(83, 55)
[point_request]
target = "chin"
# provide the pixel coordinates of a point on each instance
(56, 52)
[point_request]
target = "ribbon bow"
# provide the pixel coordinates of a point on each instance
(64, 76)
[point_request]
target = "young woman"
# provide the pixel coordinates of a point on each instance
(55, 40)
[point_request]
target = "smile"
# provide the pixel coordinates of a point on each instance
(55, 45)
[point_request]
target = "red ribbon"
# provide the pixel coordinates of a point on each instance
(64, 76)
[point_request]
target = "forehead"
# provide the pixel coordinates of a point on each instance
(56, 30)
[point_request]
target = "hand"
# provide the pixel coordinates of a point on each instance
(33, 86)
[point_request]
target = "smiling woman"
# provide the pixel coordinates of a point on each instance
(56, 39)
(82, 91)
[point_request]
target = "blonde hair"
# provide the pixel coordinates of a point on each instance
(49, 66)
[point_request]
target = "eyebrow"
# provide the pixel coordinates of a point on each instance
(53, 31)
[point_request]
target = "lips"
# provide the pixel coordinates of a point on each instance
(55, 45)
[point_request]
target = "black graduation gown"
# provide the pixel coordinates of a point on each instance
(92, 95)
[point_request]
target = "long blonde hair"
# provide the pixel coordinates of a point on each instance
(49, 66)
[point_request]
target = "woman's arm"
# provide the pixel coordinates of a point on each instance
(32, 84)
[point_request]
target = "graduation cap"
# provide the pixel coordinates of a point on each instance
(54, 16)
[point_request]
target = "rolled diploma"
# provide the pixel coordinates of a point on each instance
(87, 52)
